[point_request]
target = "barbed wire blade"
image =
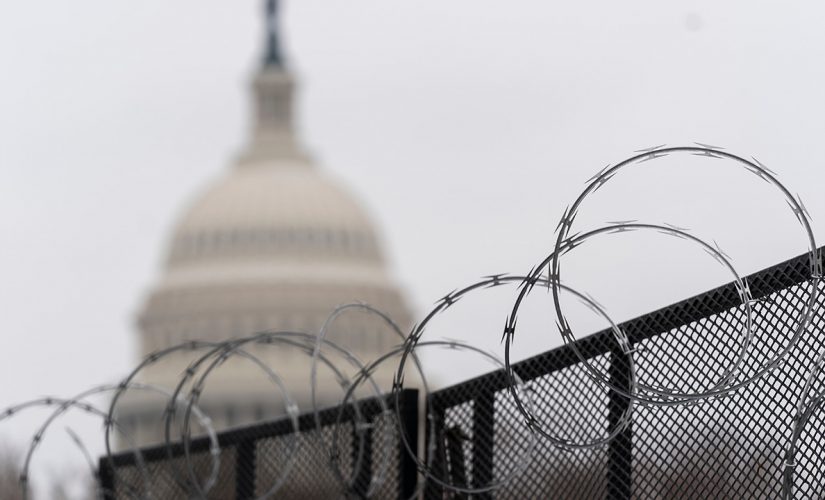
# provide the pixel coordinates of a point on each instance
(674, 226)
(651, 149)
(708, 146)
(719, 249)
(796, 211)
(764, 167)
(598, 174)
(708, 153)
(509, 329)
(562, 220)
(495, 279)
(804, 208)
(652, 156)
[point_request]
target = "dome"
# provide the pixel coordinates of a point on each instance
(274, 212)
(273, 244)
(268, 246)
(274, 198)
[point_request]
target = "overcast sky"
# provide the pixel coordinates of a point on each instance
(466, 126)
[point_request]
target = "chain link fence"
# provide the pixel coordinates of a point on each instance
(354, 449)
(722, 447)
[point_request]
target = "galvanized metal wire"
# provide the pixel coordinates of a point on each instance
(619, 385)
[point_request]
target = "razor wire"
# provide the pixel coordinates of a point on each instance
(224, 351)
(424, 467)
(338, 359)
(810, 403)
(37, 438)
(79, 402)
(532, 421)
(565, 243)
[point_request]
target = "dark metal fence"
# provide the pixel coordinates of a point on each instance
(253, 458)
(724, 447)
(730, 447)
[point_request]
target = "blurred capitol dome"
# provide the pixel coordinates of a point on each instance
(274, 244)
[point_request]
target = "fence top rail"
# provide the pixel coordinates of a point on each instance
(785, 274)
(369, 407)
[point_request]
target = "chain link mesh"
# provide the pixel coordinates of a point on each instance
(254, 458)
(727, 447)
(724, 447)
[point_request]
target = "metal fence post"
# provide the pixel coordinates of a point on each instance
(454, 444)
(106, 479)
(407, 467)
(483, 439)
(245, 470)
(620, 449)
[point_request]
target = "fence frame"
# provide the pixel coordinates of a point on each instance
(481, 392)
(243, 439)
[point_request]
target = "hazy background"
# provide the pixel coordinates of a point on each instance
(466, 126)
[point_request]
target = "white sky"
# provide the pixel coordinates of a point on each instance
(465, 125)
